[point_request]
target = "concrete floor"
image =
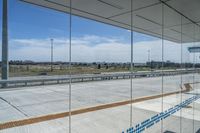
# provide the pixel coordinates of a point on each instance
(117, 119)
(41, 100)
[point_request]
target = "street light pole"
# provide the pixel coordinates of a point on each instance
(149, 59)
(51, 55)
(149, 56)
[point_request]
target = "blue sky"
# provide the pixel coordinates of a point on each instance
(31, 27)
(28, 21)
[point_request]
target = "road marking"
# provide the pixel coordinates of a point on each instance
(161, 116)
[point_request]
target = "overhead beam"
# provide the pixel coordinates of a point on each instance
(165, 3)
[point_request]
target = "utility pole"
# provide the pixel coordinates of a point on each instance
(149, 58)
(4, 63)
(51, 55)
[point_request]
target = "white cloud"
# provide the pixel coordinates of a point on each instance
(95, 48)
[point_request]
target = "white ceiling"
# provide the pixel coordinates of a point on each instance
(147, 15)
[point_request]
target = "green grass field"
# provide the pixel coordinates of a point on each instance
(33, 70)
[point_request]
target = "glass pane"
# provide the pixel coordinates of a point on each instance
(172, 60)
(100, 66)
(188, 79)
(38, 39)
(100, 73)
(147, 58)
(1, 20)
(196, 91)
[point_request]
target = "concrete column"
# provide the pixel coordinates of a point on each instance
(5, 67)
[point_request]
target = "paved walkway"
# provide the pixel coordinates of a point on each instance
(35, 101)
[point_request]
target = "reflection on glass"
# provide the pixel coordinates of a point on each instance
(100, 66)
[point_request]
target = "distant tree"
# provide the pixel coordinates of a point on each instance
(27, 68)
(94, 63)
(107, 66)
(99, 66)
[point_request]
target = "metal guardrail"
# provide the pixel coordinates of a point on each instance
(86, 78)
